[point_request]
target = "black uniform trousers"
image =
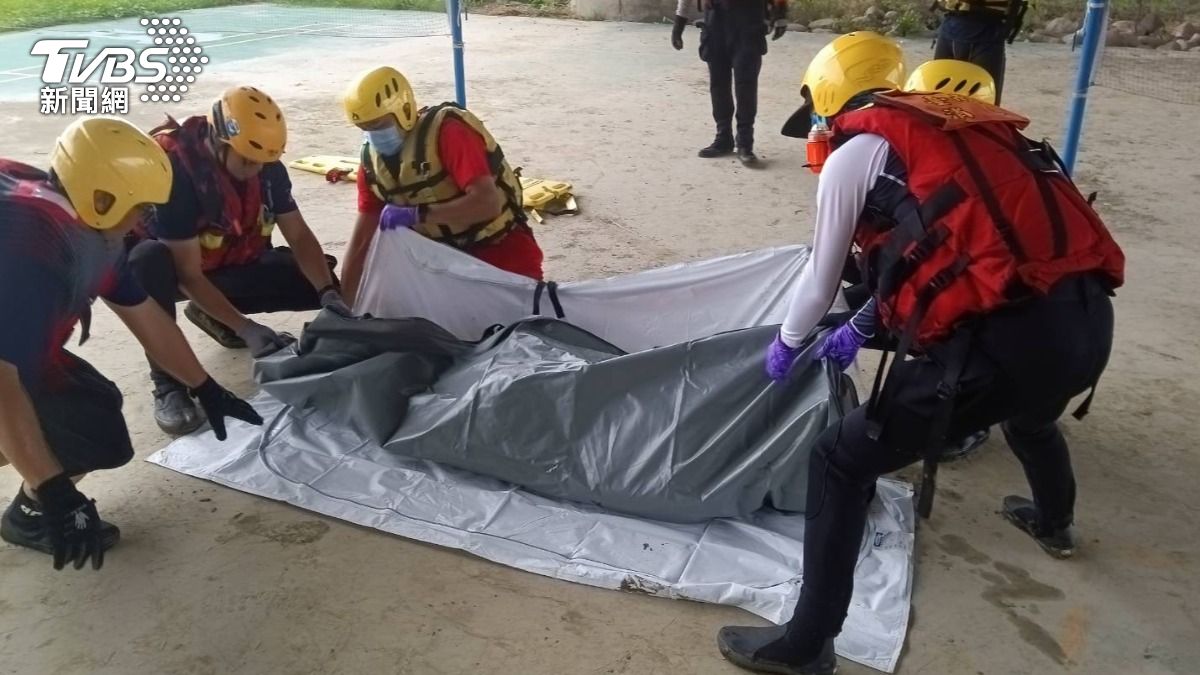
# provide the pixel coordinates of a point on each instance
(733, 41)
(272, 283)
(976, 37)
(1024, 365)
(79, 411)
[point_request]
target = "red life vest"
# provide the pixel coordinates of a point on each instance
(234, 228)
(990, 218)
(43, 223)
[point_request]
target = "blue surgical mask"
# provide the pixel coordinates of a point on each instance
(386, 141)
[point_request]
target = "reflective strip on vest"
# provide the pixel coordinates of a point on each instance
(981, 193)
(423, 178)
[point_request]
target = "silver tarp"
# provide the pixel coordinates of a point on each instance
(319, 456)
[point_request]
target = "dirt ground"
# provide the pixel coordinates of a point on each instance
(209, 580)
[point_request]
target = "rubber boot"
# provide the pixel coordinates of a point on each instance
(765, 650)
(1058, 542)
(22, 525)
(218, 331)
(174, 411)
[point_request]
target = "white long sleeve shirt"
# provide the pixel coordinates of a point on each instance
(848, 175)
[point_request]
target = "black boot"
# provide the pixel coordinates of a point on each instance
(174, 411)
(1058, 542)
(964, 448)
(766, 650)
(747, 156)
(218, 331)
(722, 145)
(22, 525)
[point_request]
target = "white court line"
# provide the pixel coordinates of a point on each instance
(290, 32)
(18, 78)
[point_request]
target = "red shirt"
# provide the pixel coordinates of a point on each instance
(462, 152)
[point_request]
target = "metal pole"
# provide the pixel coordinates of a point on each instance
(1094, 32)
(456, 37)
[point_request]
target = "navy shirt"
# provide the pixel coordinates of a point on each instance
(179, 217)
(50, 273)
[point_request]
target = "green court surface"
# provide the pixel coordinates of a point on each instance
(224, 34)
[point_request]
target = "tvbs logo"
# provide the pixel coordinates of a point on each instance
(116, 65)
(166, 68)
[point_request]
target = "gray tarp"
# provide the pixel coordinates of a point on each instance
(683, 433)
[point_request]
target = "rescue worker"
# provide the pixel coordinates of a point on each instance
(733, 40)
(984, 260)
(438, 172)
(211, 241)
(60, 248)
(976, 30)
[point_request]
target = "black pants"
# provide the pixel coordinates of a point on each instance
(732, 43)
(273, 283)
(1025, 364)
(977, 37)
(79, 411)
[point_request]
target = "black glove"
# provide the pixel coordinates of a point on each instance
(331, 299)
(262, 340)
(677, 32)
(218, 404)
(72, 523)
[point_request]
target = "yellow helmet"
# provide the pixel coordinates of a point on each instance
(249, 121)
(954, 77)
(850, 65)
(107, 166)
(378, 92)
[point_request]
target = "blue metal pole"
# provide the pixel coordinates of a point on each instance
(1094, 32)
(456, 36)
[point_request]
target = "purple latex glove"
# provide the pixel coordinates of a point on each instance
(842, 345)
(780, 358)
(395, 217)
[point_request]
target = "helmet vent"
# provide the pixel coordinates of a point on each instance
(256, 145)
(255, 99)
(260, 116)
(387, 90)
(378, 100)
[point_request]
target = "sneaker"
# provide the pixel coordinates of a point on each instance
(751, 648)
(218, 331)
(719, 148)
(174, 411)
(1059, 543)
(22, 526)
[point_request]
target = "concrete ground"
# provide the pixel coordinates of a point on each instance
(209, 580)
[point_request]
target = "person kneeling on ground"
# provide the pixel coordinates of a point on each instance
(436, 171)
(211, 242)
(980, 255)
(60, 248)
